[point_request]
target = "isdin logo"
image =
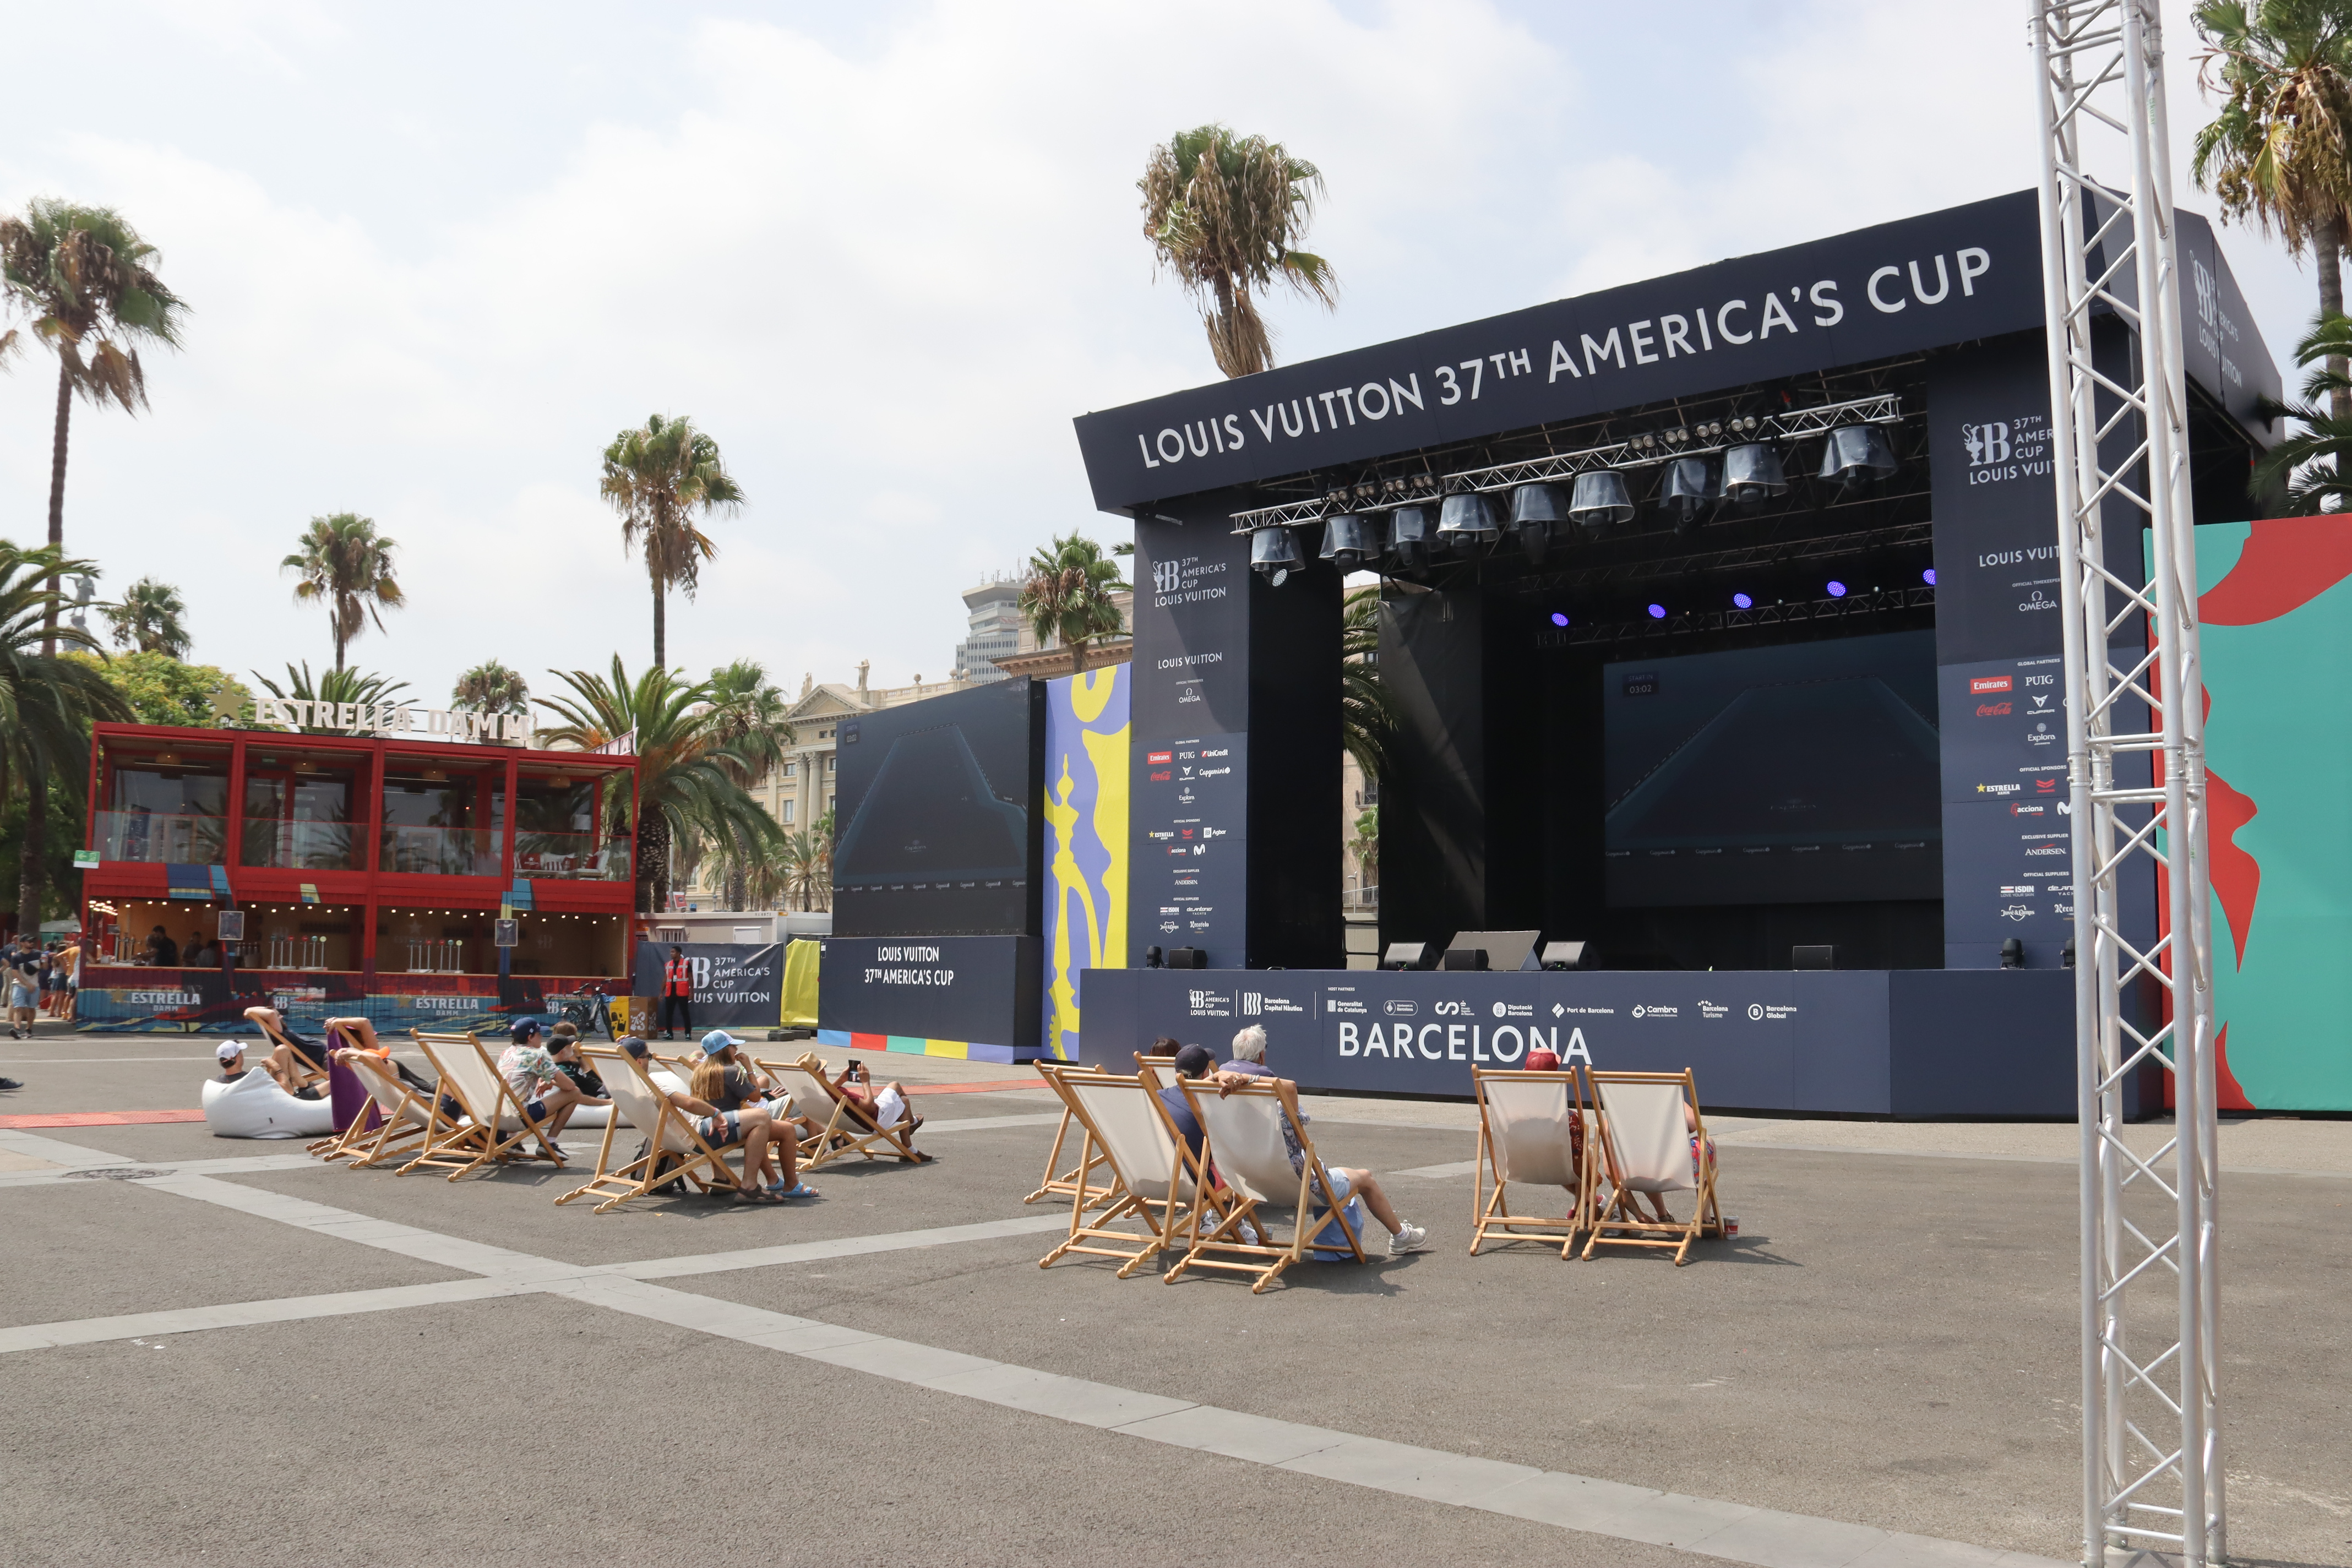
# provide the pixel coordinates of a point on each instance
(1986, 442)
(1167, 575)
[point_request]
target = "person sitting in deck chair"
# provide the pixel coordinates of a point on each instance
(347, 1037)
(1701, 1159)
(885, 1103)
(540, 1087)
(564, 1047)
(1346, 1180)
(728, 1101)
(287, 1049)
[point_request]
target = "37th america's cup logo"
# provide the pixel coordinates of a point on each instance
(1986, 442)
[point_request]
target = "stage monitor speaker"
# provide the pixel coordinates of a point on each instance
(1564, 954)
(1505, 948)
(1821, 957)
(1405, 955)
(1187, 958)
(1466, 958)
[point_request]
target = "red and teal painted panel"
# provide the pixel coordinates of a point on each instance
(962, 1051)
(2276, 614)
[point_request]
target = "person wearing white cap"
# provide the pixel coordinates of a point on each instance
(231, 1055)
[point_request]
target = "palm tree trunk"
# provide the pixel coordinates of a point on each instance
(32, 868)
(661, 629)
(32, 865)
(2329, 245)
(653, 864)
(58, 439)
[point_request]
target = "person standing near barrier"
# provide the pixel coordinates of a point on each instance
(676, 994)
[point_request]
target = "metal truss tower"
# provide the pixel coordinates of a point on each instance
(2143, 1002)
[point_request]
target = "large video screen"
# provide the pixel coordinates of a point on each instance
(1801, 773)
(932, 808)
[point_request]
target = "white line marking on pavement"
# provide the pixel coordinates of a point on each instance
(1438, 1172)
(72, 1156)
(235, 1165)
(1730, 1530)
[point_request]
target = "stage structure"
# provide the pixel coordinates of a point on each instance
(1722, 617)
(2152, 1477)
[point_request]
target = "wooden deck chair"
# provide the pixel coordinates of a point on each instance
(844, 1124)
(1645, 1147)
(1078, 1180)
(1158, 1180)
(1529, 1134)
(405, 1119)
(674, 1151)
(1246, 1149)
(494, 1130)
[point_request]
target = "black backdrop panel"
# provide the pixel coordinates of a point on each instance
(936, 805)
(974, 989)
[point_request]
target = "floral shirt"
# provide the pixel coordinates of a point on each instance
(529, 1069)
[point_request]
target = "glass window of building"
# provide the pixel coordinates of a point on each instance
(299, 809)
(443, 818)
(567, 825)
(164, 804)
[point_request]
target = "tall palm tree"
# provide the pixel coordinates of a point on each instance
(337, 686)
(1068, 595)
(1367, 716)
(686, 777)
(48, 703)
(748, 720)
(490, 688)
(657, 476)
(1223, 212)
(344, 562)
(149, 620)
(1365, 846)
(2278, 153)
(808, 865)
(2313, 466)
(84, 279)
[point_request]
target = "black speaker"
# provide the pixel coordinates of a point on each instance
(1153, 958)
(2012, 953)
(1187, 958)
(1405, 955)
(1564, 954)
(1466, 958)
(1821, 957)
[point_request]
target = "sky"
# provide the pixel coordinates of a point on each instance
(438, 256)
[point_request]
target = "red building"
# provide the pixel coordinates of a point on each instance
(371, 873)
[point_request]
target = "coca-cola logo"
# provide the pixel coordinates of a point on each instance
(1993, 710)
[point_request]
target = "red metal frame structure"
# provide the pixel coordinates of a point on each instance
(299, 820)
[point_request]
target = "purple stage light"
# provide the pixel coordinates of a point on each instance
(1743, 602)
(1658, 611)
(1558, 619)
(1928, 577)
(1837, 590)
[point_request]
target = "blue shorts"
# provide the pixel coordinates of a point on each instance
(721, 1130)
(20, 996)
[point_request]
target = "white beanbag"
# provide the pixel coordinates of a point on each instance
(255, 1107)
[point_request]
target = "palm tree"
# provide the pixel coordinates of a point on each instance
(2278, 153)
(748, 718)
(1223, 212)
(490, 688)
(336, 686)
(1068, 595)
(1365, 846)
(148, 620)
(686, 777)
(48, 703)
(656, 477)
(1367, 717)
(808, 865)
(83, 277)
(2310, 466)
(345, 563)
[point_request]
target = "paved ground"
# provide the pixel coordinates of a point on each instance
(306, 1364)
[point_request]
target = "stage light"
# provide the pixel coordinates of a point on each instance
(1467, 520)
(1691, 483)
(1658, 611)
(1409, 538)
(1837, 589)
(1273, 554)
(1349, 541)
(1751, 472)
(1928, 577)
(1856, 455)
(1558, 619)
(1742, 601)
(1536, 509)
(1602, 499)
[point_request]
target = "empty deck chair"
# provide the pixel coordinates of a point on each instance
(1079, 1179)
(1648, 1144)
(1158, 1180)
(1251, 1158)
(1530, 1133)
(844, 1126)
(673, 1150)
(494, 1130)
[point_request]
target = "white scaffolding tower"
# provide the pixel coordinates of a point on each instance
(2144, 1002)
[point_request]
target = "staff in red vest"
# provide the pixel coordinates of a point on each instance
(676, 993)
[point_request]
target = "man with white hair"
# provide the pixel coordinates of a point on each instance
(1249, 1053)
(1249, 1062)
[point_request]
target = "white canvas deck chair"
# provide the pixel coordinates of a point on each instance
(1528, 1135)
(844, 1126)
(1158, 1180)
(494, 1130)
(1247, 1151)
(1079, 1179)
(1645, 1147)
(305, 1075)
(674, 1151)
(406, 1119)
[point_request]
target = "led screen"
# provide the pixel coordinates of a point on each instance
(933, 816)
(1801, 773)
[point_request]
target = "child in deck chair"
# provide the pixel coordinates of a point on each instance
(1701, 1160)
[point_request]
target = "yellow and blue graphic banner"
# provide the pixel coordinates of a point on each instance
(1085, 808)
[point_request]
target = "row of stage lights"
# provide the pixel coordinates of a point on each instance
(1833, 589)
(1544, 513)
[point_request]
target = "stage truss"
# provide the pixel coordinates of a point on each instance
(2151, 1457)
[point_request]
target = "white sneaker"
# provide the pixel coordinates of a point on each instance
(1412, 1238)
